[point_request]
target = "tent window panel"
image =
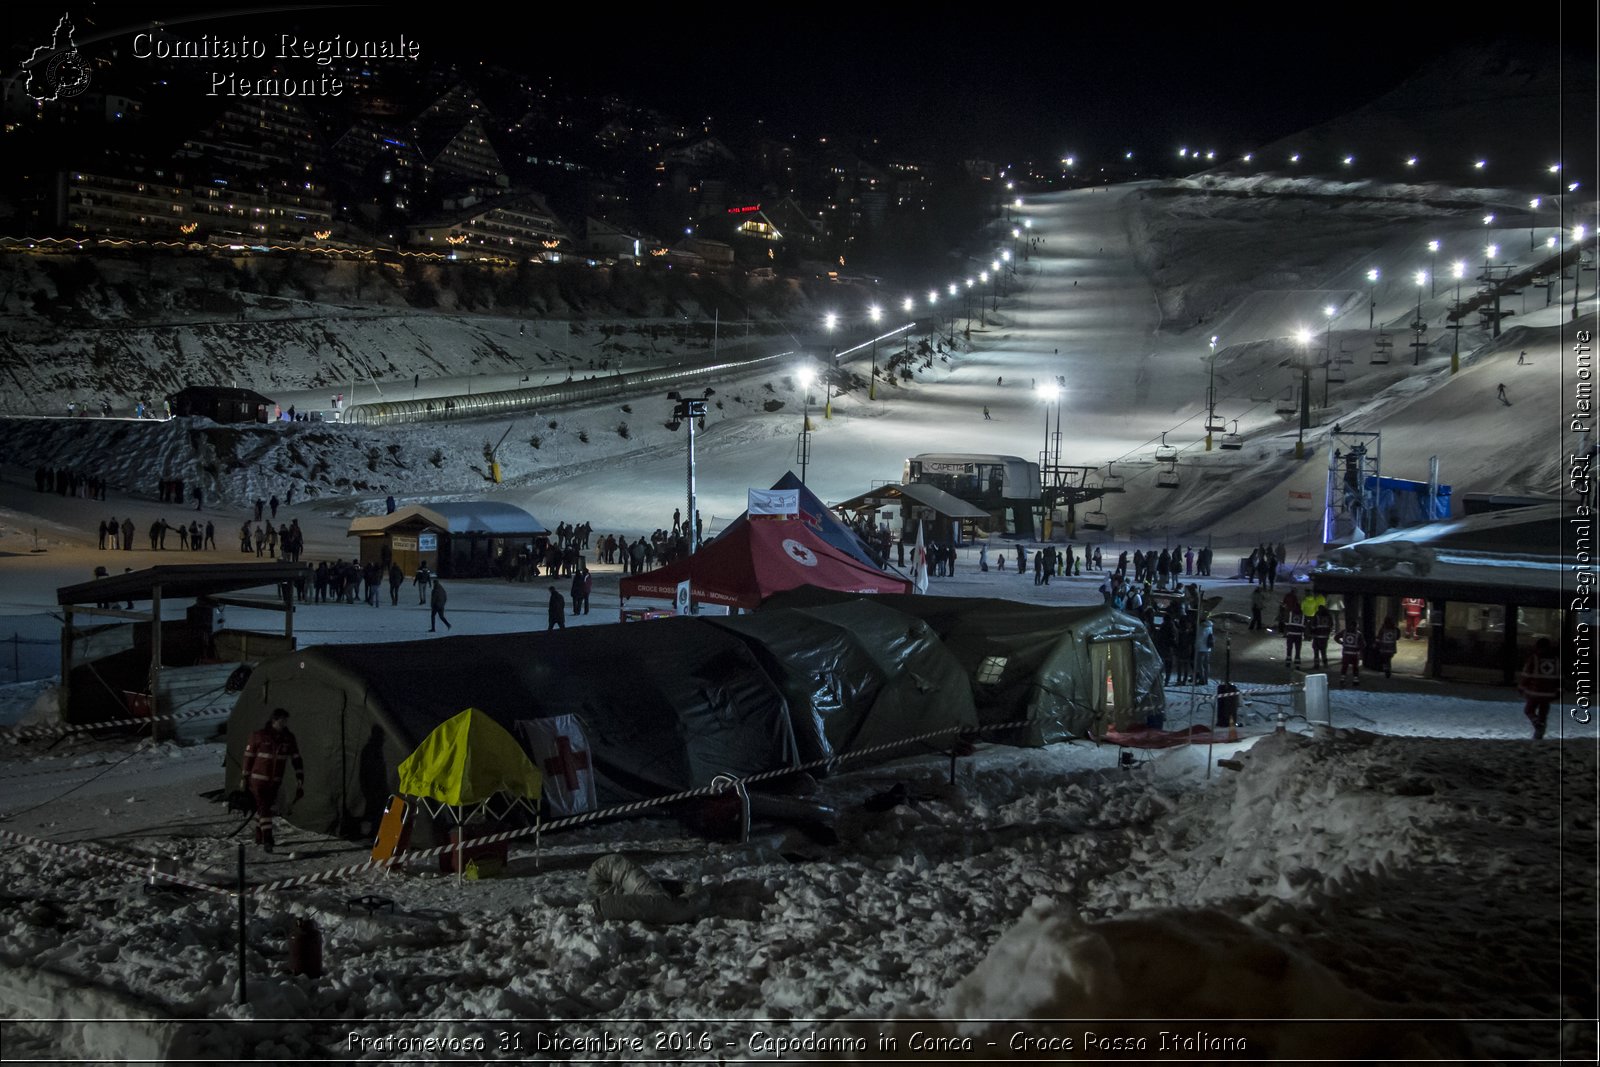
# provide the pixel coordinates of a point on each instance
(991, 669)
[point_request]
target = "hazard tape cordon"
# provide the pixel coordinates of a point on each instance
(102, 858)
(27, 733)
(722, 786)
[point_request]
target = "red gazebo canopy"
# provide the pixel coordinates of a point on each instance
(756, 559)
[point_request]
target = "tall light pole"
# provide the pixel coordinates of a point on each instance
(994, 268)
(1372, 304)
(968, 308)
(983, 316)
(1489, 255)
(1211, 392)
(1533, 206)
(1303, 335)
(830, 321)
(1433, 258)
(1327, 352)
(1459, 270)
(807, 377)
(691, 409)
(1419, 325)
(874, 313)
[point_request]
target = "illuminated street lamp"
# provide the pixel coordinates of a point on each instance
(1533, 206)
(1458, 270)
(807, 378)
(830, 321)
(1050, 393)
(875, 314)
(1433, 258)
(1327, 355)
(1419, 325)
(1211, 392)
(1303, 336)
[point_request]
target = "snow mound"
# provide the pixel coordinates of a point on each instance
(1136, 983)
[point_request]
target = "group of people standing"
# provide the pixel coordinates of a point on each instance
(1262, 565)
(65, 482)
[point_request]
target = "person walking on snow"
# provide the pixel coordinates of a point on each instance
(1540, 683)
(1388, 642)
(558, 611)
(436, 604)
(1351, 644)
(1501, 392)
(268, 753)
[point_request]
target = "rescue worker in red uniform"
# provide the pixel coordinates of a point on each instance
(1540, 683)
(267, 755)
(1351, 644)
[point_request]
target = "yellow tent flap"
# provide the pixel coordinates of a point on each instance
(467, 760)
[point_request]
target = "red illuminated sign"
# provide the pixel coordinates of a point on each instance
(744, 210)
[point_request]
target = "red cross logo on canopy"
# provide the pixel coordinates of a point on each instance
(799, 553)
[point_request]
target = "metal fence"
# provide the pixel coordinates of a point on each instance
(30, 648)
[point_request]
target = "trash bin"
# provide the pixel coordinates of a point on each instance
(1227, 704)
(1312, 700)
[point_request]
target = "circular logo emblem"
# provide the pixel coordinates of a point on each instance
(67, 75)
(799, 553)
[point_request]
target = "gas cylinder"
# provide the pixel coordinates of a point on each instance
(305, 948)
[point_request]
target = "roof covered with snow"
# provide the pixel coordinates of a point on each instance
(1513, 555)
(490, 517)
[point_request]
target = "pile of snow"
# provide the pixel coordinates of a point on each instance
(1350, 876)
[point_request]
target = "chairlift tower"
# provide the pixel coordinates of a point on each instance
(1350, 509)
(1062, 485)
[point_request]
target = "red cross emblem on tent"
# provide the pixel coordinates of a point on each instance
(566, 763)
(799, 553)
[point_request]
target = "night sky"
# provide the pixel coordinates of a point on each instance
(1007, 82)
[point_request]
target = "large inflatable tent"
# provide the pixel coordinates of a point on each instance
(666, 707)
(1066, 672)
(858, 674)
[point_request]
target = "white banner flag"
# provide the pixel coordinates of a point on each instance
(774, 502)
(561, 752)
(919, 564)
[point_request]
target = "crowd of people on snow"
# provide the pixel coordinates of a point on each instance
(63, 481)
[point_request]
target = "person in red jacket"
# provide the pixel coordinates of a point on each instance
(1350, 645)
(267, 754)
(1540, 683)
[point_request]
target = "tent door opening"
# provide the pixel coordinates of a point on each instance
(1112, 663)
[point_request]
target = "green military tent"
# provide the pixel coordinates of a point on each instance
(858, 674)
(666, 706)
(1065, 672)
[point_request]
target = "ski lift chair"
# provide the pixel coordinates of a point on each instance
(1111, 483)
(1232, 442)
(1382, 348)
(1286, 404)
(1166, 453)
(1094, 520)
(1336, 373)
(1216, 424)
(1167, 477)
